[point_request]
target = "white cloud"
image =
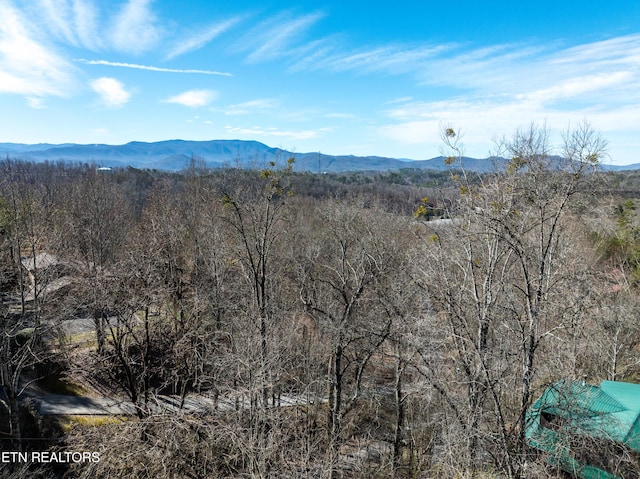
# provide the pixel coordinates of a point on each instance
(342, 116)
(101, 132)
(199, 40)
(512, 69)
(391, 59)
(418, 123)
(28, 67)
(85, 21)
(193, 98)
(574, 87)
(58, 13)
(481, 120)
(36, 103)
(272, 132)
(251, 106)
(111, 91)
(615, 51)
(402, 99)
(134, 29)
(72, 21)
(549, 70)
(276, 37)
(501, 88)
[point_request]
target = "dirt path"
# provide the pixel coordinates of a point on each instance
(59, 404)
(66, 405)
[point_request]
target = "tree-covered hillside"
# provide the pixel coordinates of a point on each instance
(272, 323)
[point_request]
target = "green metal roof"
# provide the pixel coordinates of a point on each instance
(571, 399)
(610, 412)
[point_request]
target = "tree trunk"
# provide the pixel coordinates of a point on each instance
(399, 413)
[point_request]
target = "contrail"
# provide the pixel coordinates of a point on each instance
(149, 67)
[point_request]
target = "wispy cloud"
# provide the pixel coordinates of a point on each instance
(342, 116)
(523, 69)
(151, 68)
(135, 28)
(86, 21)
(251, 106)
(112, 91)
(277, 36)
(483, 118)
(581, 85)
(389, 59)
(58, 13)
(609, 52)
(493, 68)
(101, 132)
(402, 99)
(418, 122)
(193, 98)
(494, 90)
(71, 21)
(273, 132)
(27, 66)
(199, 40)
(36, 103)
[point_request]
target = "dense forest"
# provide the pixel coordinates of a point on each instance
(358, 325)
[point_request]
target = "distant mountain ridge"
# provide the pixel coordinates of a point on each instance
(175, 155)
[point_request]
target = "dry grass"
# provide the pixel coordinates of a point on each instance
(69, 422)
(82, 340)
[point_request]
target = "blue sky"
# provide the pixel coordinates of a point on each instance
(360, 78)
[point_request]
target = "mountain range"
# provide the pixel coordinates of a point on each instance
(176, 155)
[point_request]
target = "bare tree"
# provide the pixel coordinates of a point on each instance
(341, 269)
(96, 223)
(615, 336)
(256, 214)
(26, 318)
(502, 276)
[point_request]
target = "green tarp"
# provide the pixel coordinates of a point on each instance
(590, 431)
